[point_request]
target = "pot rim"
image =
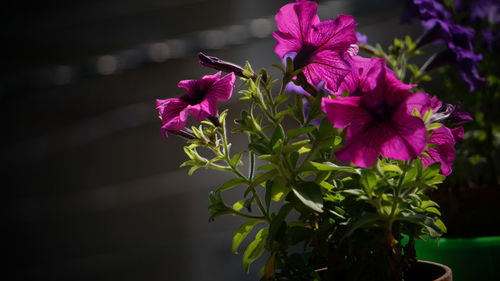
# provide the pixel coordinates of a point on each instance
(447, 276)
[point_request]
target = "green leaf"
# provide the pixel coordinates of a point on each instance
(231, 183)
(192, 170)
(255, 249)
(369, 182)
(278, 220)
(260, 178)
(278, 134)
(434, 228)
(428, 203)
(278, 189)
(266, 167)
(294, 157)
(365, 221)
(309, 193)
(328, 166)
(434, 126)
(391, 168)
(280, 115)
(241, 234)
(291, 134)
(281, 98)
(431, 175)
(235, 161)
(239, 205)
(217, 206)
(295, 146)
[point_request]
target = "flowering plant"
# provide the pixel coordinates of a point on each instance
(339, 155)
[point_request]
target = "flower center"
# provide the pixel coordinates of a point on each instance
(197, 94)
(381, 112)
(303, 56)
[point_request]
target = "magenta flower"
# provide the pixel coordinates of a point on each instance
(442, 149)
(200, 100)
(377, 117)
(320, 48)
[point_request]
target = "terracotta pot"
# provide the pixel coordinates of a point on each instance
(429, 271)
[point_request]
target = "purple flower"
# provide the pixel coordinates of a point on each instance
(466, 63)
(319, 48)
(451, 114)
(488, 10)
(441, 143)
(378, 119)
(424, 10)
(490, 39)
(200, 100)
(442, 148)
(458, 39)
(218, 64)
(296, 89)
(362, 38)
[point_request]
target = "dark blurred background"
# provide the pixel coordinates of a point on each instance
(93, 192)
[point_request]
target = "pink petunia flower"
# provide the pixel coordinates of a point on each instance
(200, 100)
(321, 48)
(377, 116)
(443, 142)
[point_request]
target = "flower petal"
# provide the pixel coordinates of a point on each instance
(173, 114)
(444, 152)
(294, 21)
(362, 145)
(334, 35)
(408, 137)
(344, 112)
(328, 67)
(221, 89)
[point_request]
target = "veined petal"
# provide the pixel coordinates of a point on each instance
(444, 152)
(173, 114)
(329, 67)
(362, 145)
(170, 108)
(285, 43)
(297, 18)
(419, 101)
(408, 138)
(202, 110)
(335, 35)
(458, 133)
(352, 80)
(222, 89)
(194, 85)
(344, 112)
(402, 143)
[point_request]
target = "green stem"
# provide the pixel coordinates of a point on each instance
(246, 215)
(397, 194)
(239, 174)
(251, 167)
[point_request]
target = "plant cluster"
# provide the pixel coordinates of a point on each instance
(340, 150)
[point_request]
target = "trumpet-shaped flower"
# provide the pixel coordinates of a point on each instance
(441, 143)
(320, 48)
(377, 117)
(442, 149)
(440, 28)
(200, 100)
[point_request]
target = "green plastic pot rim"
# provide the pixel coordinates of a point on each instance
(482, 242)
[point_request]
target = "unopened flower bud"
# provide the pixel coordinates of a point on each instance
(221, 65)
